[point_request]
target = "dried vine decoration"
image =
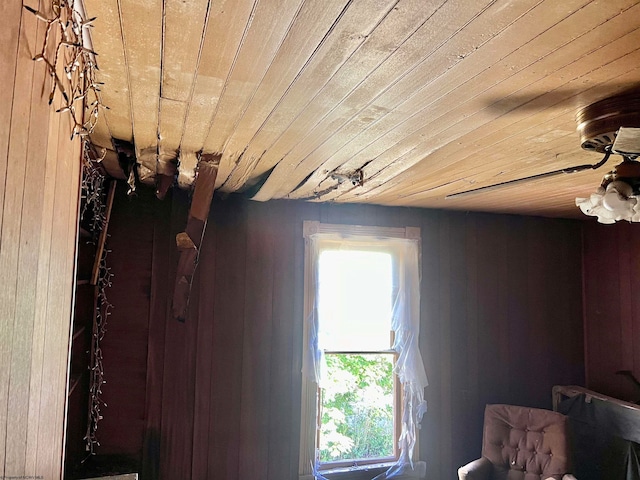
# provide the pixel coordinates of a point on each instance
(93, 189)
(94, 213)
(96, 369)
(71, 63)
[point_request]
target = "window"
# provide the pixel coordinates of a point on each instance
(357, 409)
(363, 376)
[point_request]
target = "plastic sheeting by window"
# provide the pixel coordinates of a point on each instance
(405, 323)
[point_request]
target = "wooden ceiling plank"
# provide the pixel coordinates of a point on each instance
(385, 180)
(413, 43)
(379, 184)
(111, 164)
(394, 121)
(554, 197)
(532, 162)
(531, 157)
(411, 175)
(503, 133)
(500, 162)
(270, 25)
(106, 37)
(170, 133)
(381, 163)
(350, 32)
(499, 133)
(546, 91)
(311, 27)
(566, 189)
(520, 82)
(544, 66)
(397, 116)
(142, 34)
(101, 135)
(184, 26)
(393, 31)
(400, 77)
(222, 39)
(316, 94)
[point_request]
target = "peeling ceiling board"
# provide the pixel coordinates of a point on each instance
(393, 102)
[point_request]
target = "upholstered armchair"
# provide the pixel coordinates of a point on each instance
(521, 443)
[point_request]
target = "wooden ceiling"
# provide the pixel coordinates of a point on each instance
(414, 99)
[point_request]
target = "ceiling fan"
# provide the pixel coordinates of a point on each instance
(611, 127)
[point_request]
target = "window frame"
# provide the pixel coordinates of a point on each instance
(310, 400)
(397, 413)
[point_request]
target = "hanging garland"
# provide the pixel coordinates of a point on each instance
(71, 63)
(95, 207)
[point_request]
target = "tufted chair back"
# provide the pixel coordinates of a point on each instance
(525, 443)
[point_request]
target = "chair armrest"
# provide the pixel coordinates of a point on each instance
(477, 470)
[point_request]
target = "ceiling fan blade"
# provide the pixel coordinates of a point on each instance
(575, 169)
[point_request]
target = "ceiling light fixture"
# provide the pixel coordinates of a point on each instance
(610, 126)
(617, 197)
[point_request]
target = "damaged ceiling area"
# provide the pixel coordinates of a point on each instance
(392, 102)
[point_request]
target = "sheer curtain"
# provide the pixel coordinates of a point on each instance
(405, 323)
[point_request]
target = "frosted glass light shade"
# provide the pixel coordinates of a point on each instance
(611, 205)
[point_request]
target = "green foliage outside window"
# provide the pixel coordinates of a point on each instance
(357, 407)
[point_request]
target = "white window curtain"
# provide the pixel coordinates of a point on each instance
(406, 326)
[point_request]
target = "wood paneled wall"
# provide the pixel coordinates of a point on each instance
(501, 322)
(612, 307)
(128, 334)
(39, 182)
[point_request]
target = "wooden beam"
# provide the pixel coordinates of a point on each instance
(103, 234)
(189, 241)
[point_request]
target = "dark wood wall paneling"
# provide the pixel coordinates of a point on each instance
(39, 184)
(612, 307)
(501, 322)
(129, 259)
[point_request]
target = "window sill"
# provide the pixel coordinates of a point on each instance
(367, 472)
(362, 472)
